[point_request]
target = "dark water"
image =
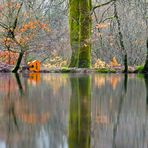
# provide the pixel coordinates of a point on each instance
(73, 111)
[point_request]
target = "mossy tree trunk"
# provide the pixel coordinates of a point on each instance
(80, 113)
(85, 34)
(74, 31)
(80, 33)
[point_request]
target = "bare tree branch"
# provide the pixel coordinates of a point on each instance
(101, 5)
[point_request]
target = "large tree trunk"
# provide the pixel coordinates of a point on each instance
(17, 66)
(146, 61)
(74, 31)
(80, 33)
(85, 34)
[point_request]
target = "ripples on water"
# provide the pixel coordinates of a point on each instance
(73, 111)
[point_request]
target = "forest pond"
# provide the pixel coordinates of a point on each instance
(73, 111)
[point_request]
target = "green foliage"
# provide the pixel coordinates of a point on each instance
(65, 70)
(105, 70)
(139, 68)
(140, 76)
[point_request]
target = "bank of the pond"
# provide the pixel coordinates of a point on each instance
(137, 69)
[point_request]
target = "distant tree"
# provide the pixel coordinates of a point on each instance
(121, 37)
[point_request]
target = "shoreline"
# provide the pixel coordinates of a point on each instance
(116, 70)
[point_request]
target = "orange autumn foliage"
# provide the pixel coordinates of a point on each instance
(114, 62)
(8, 57)
(102, 25)
(24, 28)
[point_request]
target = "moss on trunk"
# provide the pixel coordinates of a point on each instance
(74, 31)
(85, 34)
(80, 24)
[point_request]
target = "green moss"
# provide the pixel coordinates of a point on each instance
(105, 70)
(139, 68)
(74, 31)
(140, 76)
(65, 70)
(85, 34)
(80, 24)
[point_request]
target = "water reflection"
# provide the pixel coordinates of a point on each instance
(146, 84)
(80, 113)
(32, 116)
(121, 113)
(75, 111)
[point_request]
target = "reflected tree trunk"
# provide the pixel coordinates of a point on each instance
(121, 101)
(125, 82)
(19, 84)
(80, 113)
(145, 70)
(146, 84)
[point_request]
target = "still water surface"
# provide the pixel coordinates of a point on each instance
(73, 111)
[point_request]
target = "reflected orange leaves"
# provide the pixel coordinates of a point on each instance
(99, 81)
(102, 119)
(113, 80)
(56, 82)
(8, 85)
(33, 118)
(27, 111)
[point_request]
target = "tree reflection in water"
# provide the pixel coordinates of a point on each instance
(104, 111)
(80, 112)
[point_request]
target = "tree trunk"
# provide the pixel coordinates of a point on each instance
(80, 32)
(85, 34)
(17, 66)
(121, 39)
(146, 84)
(146, 61)
(125, 64)
(74, 31)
